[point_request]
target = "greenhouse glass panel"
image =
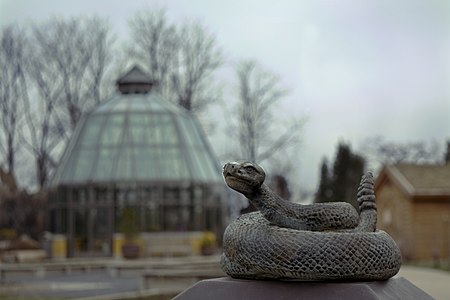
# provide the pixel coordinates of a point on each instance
(138, 104)
(85, 162)
(91, 130)
(121, 105)
(113, 130)
(153, 134)
(171, 164)
(105, 163)
(197, 164)
(138, 137)
(138, 129)
(167, 134)
(192, 127)
(124, 162)
(146, 163)
(108, 105)
(187, 136)
(66, 174)
(155, 105)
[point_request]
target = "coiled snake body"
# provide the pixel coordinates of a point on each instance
(290, 241)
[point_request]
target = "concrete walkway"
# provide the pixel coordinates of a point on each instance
(101, 282)
(434, 282)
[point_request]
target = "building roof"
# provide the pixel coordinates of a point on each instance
(135, 75)
(137, 138)
(418, 180)
(135, 81)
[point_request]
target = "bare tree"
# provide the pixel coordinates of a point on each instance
(259, 90)
(154, 44)
(380, 151)
(66, 68)
(76, 50)
(198, 59)
(11, 94)
(101, 41)
(44, 127)
(182, 60)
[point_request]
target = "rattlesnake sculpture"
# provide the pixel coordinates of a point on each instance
(290, 241)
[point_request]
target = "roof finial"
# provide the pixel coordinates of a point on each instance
(135, 81)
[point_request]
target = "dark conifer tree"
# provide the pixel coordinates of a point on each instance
(447, 154)
(343, 183)
(324, 193)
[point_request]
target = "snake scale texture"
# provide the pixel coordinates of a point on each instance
(289, 241)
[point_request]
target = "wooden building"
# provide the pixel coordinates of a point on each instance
(414, 208)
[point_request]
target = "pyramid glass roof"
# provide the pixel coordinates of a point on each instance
(138, 138)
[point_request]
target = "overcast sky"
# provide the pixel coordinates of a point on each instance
(355, 68)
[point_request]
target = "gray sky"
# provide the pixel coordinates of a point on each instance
(356, 69)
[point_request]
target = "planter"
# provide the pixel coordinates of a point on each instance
(130, 251)
(208, 250)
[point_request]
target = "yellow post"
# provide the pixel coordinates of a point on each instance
(117, 245)
(59, 246)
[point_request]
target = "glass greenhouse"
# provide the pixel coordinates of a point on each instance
(135, 150)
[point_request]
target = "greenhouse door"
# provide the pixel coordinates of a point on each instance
(92, 235)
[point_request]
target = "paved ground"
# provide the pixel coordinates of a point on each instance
(68, 286)
(436, 283)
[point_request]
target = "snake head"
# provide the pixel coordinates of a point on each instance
(243, 176)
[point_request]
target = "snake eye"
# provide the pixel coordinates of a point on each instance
(250, 169)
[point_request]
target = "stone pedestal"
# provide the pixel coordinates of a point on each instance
(227, 288)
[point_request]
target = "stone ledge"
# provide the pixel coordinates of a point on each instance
(229, 288)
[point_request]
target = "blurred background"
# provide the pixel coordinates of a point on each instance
(116, 118)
